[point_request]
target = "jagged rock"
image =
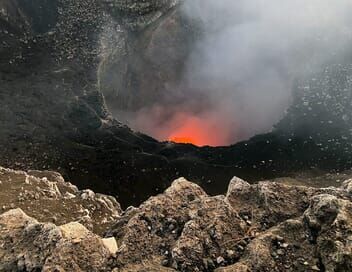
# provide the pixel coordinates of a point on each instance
(25, 242)
(330, 223)
(187, 230)
(268, 203)
(320, 240)
(47, 197)
(86, 252)
(31, 246)
(347, 185)
(110, 244)
(185, 227)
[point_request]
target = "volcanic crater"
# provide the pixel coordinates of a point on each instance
(61, 95)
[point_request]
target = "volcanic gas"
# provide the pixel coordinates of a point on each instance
(202, 128)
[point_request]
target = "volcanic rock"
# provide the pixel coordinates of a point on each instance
(267, 203)
(183, 226)
(47, 197)
(136, 15)
(256, 227)
(145, 65)
(263, 227)
(31, 246)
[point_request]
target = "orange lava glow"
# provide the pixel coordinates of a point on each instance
(184, 140)
(199, 131)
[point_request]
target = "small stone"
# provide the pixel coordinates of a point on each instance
(171, 227)
(220, 260)
(36, 196)
(76, 241)
(242, 243)
(285, 245)
(27, 180)
(315, 268)
(69, 195)
(87, 194)
(280, 252)
(230, 253)
(301, 260)
(241, 248)
(110, 244)
(280, 239)
(296, 245)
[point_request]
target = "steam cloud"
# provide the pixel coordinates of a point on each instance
(244, 67)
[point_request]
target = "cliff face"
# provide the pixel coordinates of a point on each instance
(268, 226)
(148, 61)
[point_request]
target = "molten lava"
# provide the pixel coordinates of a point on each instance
(184, 140)
(199, 131)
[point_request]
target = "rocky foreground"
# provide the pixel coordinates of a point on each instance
(263, 227)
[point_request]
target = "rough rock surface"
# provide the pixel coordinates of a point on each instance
(27, 245)
(145, 66)
(47, 197)
(136, 15)
(267, 226)
(263, 227)
(184, 226)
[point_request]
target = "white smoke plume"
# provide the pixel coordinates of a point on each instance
(247, 61)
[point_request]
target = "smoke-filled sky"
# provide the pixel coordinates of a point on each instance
(246, 62)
